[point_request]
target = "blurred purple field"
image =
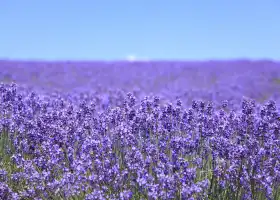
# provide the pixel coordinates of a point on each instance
(212, 80)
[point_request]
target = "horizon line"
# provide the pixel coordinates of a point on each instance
(140, 60)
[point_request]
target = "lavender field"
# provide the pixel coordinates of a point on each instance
(140, 130)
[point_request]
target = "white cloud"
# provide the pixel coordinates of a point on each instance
(132, 58)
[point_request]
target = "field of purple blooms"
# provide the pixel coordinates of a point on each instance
(158, 130)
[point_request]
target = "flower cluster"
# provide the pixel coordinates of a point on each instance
(60, 147)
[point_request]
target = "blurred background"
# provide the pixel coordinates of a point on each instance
(186, 49)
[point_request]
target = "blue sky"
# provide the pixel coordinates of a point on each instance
(145, 29)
